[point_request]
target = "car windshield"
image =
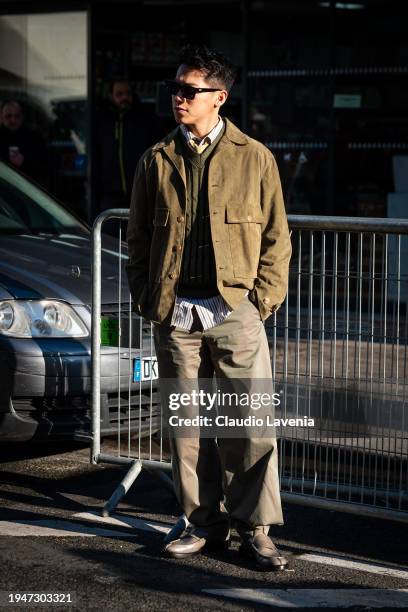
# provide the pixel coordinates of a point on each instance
(26, 209)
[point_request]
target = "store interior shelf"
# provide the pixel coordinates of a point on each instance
(325, 72)
(293, 144)
(377, 145)
(287, 144)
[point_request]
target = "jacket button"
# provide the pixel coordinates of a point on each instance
(177, 247)
(249, 218)
(172, 276)
(180, 219)
(266, 300)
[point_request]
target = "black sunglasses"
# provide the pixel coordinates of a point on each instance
(187, 91)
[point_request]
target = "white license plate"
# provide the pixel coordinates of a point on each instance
(145, 369)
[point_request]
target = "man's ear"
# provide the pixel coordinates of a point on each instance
(221, 98)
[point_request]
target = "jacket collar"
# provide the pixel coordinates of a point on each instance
(171, 146)
(231, 134)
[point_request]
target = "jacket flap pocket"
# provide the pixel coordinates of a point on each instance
(161, 217)
(241, 213)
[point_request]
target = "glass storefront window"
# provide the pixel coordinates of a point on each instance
(370, 119)
(43, 67)
(289, 97)
(328, 95)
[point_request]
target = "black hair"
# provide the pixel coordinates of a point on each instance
(215, 65)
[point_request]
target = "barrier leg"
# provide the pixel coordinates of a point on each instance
(122, 488)
(177, 530)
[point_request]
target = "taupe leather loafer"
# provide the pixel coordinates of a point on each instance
(195, 540)
(257, 545)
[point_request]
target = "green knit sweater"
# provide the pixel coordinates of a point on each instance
(198, 275)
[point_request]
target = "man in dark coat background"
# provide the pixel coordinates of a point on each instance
(124, 132)
(21, 147)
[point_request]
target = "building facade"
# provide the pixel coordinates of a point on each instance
(323, 84)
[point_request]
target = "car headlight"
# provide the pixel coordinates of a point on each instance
(40, 319)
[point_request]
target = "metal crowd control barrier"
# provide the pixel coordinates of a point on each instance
(133, 406)
(339, 347)
(339, 356)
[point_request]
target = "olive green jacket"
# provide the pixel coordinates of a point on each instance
(249, 228)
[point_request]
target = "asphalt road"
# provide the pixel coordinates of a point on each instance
(53, 540)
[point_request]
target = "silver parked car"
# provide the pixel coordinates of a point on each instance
(45, 323)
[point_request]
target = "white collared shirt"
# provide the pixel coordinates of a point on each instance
(210, 137)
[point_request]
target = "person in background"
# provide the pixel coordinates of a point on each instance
(123, 134)
(19, 146)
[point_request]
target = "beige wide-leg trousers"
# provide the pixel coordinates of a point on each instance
(214, 477)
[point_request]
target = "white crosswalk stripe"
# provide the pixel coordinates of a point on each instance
(363, 566)
(56, 528)
(318, 598)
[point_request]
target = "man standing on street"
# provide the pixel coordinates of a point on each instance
(209, 250)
